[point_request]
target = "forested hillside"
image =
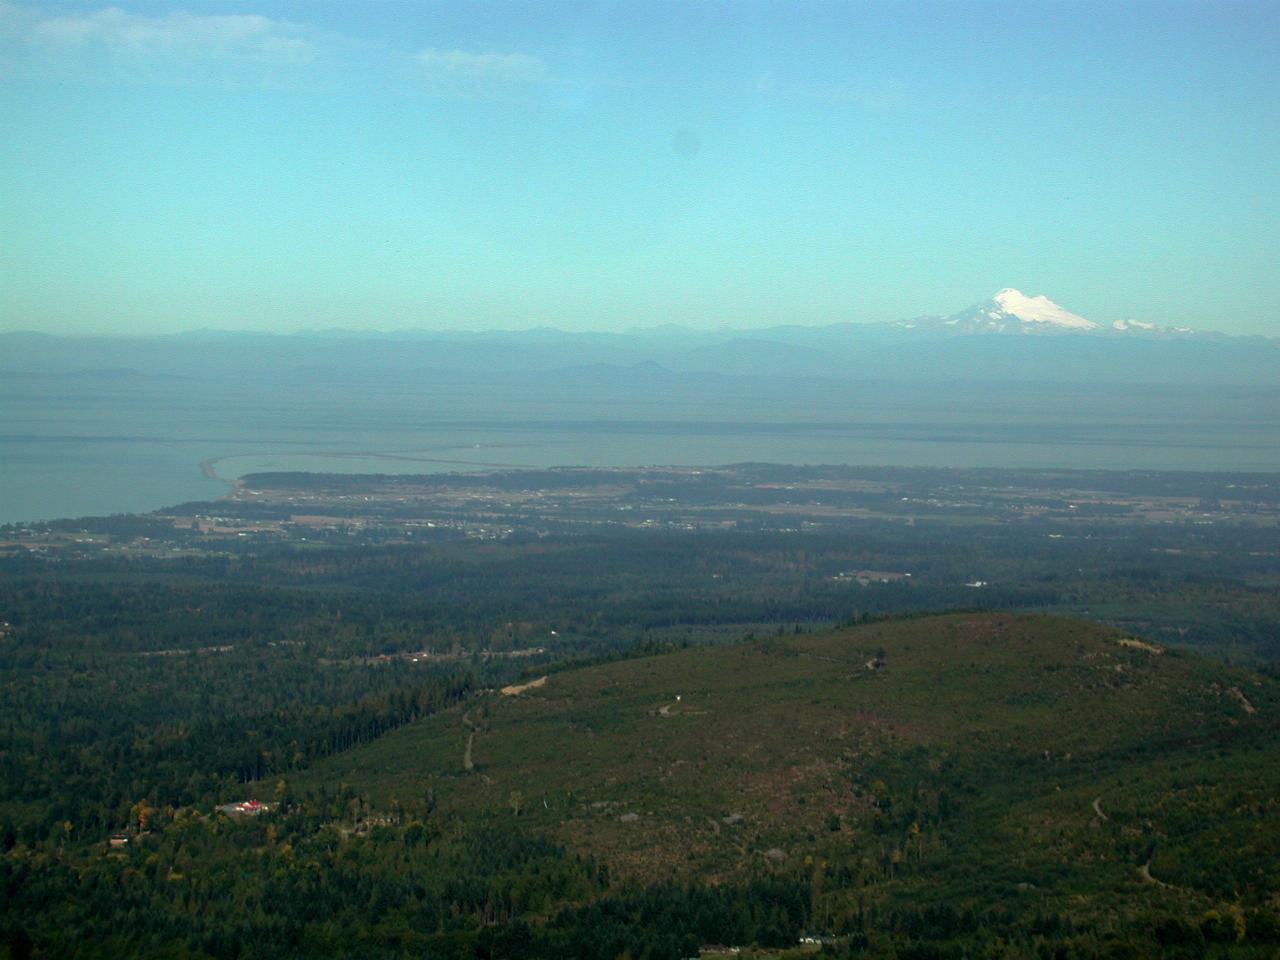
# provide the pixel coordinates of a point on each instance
(936, 786)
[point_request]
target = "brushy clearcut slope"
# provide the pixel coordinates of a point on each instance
(965, 758)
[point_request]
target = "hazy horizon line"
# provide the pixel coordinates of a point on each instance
(634, 330)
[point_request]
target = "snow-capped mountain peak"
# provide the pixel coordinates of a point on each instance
(1131, 324)
(1011, 311)
(1015, 303)
(1151, 330)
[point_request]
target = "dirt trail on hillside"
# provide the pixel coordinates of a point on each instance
(1136, 644)
(1235, 694)
(679, 709)
(518, 688)
(1144, 872)
(467, 763)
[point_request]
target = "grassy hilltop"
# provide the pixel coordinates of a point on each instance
(964, 760)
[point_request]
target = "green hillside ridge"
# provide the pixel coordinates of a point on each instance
(965, 759)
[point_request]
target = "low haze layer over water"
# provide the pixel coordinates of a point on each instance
(72, 447)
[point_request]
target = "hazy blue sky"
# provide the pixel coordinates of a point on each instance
(281, 166)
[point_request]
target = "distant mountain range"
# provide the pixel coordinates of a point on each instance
(1012, 337)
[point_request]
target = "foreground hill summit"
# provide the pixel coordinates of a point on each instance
(962, 761)
(968, 785)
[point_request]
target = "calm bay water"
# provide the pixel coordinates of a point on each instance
(73, 448)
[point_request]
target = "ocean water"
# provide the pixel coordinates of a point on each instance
(72, 447)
